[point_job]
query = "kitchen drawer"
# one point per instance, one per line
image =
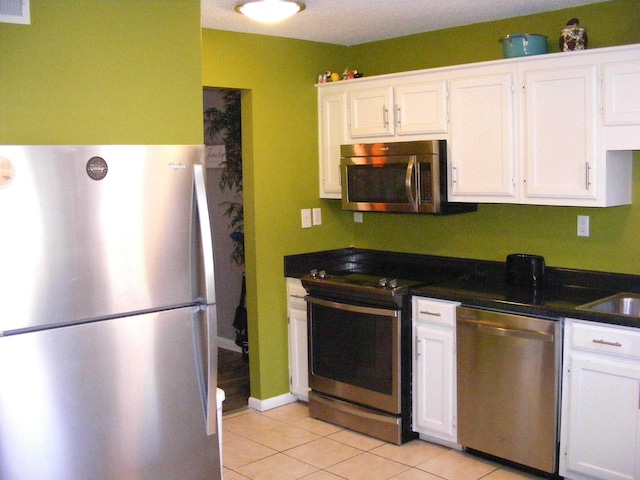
(296, 294)
(431, 310)
(608, 339)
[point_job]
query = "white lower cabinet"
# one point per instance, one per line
(298, 358)
(600, 431)
(434, 369)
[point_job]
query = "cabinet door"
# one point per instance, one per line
(333, 133)
(299, 368)
(371, 112)
(482, 138)
(421, 108)
(298, 357)
(559, 139)
(621, 104)
(602, 437)
(434, 364)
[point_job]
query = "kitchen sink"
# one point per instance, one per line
(619, 304)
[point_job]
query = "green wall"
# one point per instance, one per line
(281, 172)
(95, 72)
(608, 24)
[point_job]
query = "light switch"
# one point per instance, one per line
(306, 217)
(317, 216)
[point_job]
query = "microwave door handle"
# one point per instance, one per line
(410, 182)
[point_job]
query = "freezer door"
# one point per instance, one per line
(117, 399)
(95, 231)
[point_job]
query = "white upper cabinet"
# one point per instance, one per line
(392, 109)
(559, 140)
(397, 108)
(482, 136)
(540, 142)
(621, 99)
(621, 93)
(371, 112)
(556, 129)
(332, 117)
(421, 108)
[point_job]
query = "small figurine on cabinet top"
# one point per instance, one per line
(330, 76)
(574, 37)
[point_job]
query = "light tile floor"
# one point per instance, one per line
(285, 443)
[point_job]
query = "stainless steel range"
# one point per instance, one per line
(359, 353)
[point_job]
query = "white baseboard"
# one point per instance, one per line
(228, 345)
(255, 403)
(273, 402)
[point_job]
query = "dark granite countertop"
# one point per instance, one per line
(552, 302)
(478, 283)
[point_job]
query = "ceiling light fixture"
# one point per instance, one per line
(270, 11)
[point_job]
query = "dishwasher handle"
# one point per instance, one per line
(509, 332)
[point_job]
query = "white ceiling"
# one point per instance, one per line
(352, 22)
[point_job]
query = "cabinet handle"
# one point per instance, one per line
(604, 342)
(298, 296)
(385, 115)
(433, 314)
(417, 347)
(588, 175)
(454, 175)
(399, 119)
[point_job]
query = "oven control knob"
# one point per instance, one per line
(393, 283)
(322, 275)
(314, 273)
(382, 283)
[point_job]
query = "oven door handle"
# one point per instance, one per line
(353, 308)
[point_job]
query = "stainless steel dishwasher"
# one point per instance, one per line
(508, 386)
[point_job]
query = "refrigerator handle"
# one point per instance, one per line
(211, 404)
(209, 309)
(205, 234)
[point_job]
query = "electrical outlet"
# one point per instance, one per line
(583, 225)
(357, 217)
(305, 213)
(317, 216)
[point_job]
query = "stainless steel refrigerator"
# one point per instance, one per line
(108, 353)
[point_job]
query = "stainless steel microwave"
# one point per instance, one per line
(397, 177)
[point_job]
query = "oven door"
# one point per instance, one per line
(354, 353)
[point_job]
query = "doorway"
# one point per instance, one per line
(223, 161)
